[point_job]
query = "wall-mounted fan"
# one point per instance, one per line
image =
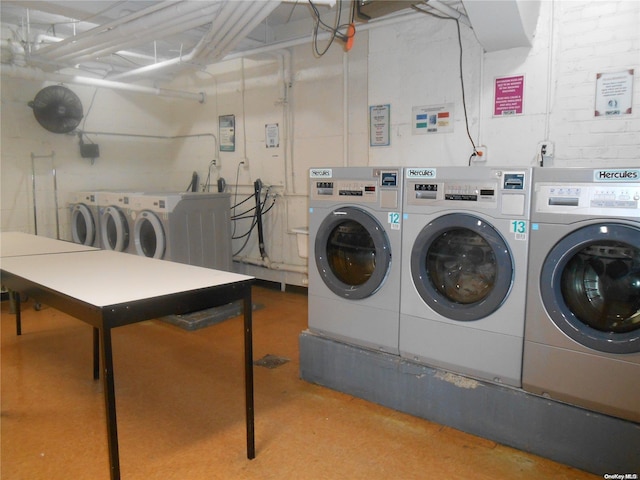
(57, 109)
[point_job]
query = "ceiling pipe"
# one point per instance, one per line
(47, 39)
(149, 34)
(218, 25)
(255, 11)
(262, 10)
(119, 35)
(448, 11)
(110, 25)
(322, 36)
(29, 73)
(236, 21)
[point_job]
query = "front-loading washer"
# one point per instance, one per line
(582, 338)
(115, 223)
(464, 269)
(85, 218)
(185, 227)
(355, 242)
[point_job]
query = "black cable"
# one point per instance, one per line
(247, 235)
(244, 215)
(243, 201)
(464, 100)
(235, 197)
(335, 31)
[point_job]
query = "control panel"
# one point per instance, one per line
(424, 192)
(589, 199)
(383, 189)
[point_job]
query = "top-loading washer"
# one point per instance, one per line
(355, 242)
(185, 227)
(115, 224)
(582, 338)
(85, 218)
(464, 269)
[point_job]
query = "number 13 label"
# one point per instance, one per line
(519, 229)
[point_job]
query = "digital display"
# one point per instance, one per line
(389, 179)
(426, 187)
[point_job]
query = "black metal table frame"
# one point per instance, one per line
(103, 319)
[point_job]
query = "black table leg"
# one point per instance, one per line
(96, 353)
(248, 374)
(16, 304)
(110, 402)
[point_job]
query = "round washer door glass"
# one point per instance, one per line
(590, 286)
(114, 229)
(83, 229)
(352, 252)
(148, 235)
(461, 267)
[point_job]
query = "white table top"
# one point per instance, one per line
(103, 277)
(15, 244)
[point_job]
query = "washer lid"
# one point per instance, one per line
(352, 253)
(461, 267)
(590, 287)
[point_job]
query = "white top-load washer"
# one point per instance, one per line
(186, 227)
(582, 339)
(465, 242)
(354, 257)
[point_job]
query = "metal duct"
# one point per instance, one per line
(29, 73)
(233, 23)
(125, 32)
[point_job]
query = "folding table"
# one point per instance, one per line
(109, 289)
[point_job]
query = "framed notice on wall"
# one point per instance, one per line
(379, 125)
(227, 133)
(614, 93)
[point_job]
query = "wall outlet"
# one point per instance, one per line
(546, 149)
(481, 154)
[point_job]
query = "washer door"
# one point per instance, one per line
(148, 235)
(352, 253)
(114, 229)
(590, 286)
(461, 267)
(83, 229)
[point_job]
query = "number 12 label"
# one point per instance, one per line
(394, 220)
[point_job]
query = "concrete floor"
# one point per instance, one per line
(181, 410)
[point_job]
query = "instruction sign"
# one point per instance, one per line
(613, 93)
(227, 133)
(379, 125)
(272, 135)
(433, 119)
(508, 96)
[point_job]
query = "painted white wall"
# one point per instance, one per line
(404, 65)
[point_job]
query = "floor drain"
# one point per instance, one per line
(271, 361)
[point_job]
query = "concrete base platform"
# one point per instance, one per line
(567, 434)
